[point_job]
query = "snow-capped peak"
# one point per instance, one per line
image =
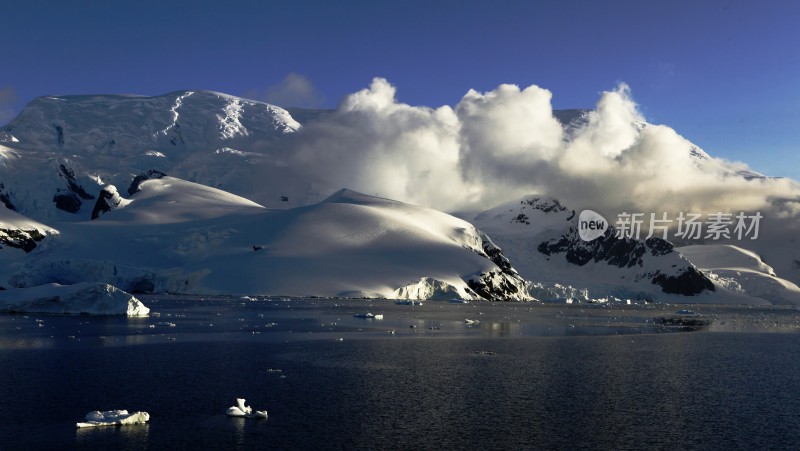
(120, 124)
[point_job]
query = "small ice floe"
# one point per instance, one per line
(113, 418)
(458, 301)
(368, 316)
(240, 410)
(685, 312)
(471, 321)
(407, 302)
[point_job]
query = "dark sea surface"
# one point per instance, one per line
(525, 377)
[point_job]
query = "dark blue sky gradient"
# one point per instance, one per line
(725, 74)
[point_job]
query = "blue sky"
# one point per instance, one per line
(725, 74)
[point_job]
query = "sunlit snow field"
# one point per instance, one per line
(516, 375)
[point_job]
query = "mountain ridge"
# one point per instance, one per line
(202, 164)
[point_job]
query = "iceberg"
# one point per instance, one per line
(429, 288)
(81, 298)
(240, 410)
(368, 316)
(113, 418)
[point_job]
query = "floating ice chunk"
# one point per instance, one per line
(407, 302)
(235, 412)
(113, 418)
(241, 410)
(242, 407)
(368, 316)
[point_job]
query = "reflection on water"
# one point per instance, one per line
(132, 436)
(238, 425)
(499, 329)
(516, 376)
(690, 390)
(179, 319)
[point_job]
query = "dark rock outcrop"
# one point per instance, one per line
(68, 202)
(21, 239)
(498, 286)
(149, 175)
(620, 252)
(630, 253)
(71, 198)
(503, 284)
(5, 198)
(108, 200)
(689, 281)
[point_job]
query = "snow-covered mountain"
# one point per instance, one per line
(72, 146)
(182, 237)
(742, 271)
(540, 235)
(197, 192)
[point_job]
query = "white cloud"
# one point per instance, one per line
(294, 90)
(505, 143)
(506, 133)
(378, 146)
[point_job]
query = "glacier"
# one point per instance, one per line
(85, 298)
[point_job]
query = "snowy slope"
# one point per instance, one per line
(165, 200)
(539, 236)
(138, 125)
(178, 236)
(20, 235)
(71, 146)
(742, 271)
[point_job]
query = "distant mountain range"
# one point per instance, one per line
(196, 192)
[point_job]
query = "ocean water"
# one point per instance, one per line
(523, 377)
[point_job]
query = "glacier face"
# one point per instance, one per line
(82, 298)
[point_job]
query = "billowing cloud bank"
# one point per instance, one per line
(498, 145)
